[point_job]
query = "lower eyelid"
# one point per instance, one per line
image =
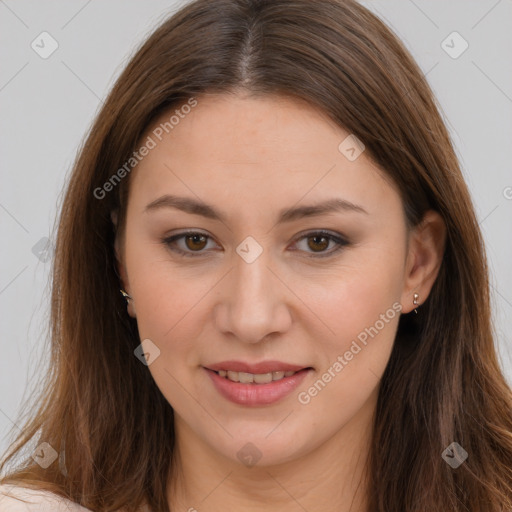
(170, 242)
(339, 243)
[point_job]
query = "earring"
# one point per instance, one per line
(415, 301)
(125, 295)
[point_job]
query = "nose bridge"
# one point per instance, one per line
(251, 282)
(254, 306)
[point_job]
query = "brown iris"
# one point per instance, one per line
(321, 242)
(195, 241)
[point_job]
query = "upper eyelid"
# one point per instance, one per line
(300, 235)
(338, 238)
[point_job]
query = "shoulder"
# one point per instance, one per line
(14, 498)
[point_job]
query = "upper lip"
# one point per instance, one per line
(256, 368)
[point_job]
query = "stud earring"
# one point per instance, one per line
(415, 301)
(126, 296)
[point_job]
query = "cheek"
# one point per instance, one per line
(361, 308)
(171, 310)
(362, 328)
(171, 313)
(168, 299)
(354, 297)
(364, 315)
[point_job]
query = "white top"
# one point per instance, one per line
(34, 501)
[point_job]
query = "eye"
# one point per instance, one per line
(192, 242)
(319, 241)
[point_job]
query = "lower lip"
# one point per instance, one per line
(257, 394)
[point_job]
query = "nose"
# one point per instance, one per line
(253, 302)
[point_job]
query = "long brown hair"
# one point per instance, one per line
(100, 406)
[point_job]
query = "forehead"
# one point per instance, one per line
(261, 149)
(246, 124)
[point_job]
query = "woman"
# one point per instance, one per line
(270, 188)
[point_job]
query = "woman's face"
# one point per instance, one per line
(297, 262)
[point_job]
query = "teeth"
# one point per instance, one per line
(245, 378)
(234, 376)
(263, 378)
(260, 378)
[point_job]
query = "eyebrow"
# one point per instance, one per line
(196, 207)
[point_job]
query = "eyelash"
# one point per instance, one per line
(341, 242)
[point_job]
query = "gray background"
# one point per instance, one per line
(48, 104)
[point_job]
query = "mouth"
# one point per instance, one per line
(255, 378)
(266, 384)
(255, 373)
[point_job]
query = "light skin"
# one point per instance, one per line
(250, 158)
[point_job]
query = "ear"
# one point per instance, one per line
(424, 257)
(120, 265)
(121, 270)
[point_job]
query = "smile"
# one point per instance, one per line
(258, 378)
(256, 389)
